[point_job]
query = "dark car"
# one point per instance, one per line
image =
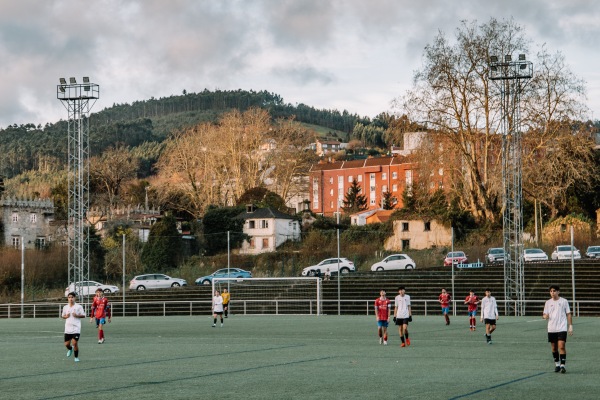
(593, 252)
(224, 273)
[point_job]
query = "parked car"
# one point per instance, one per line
(224, 273)
(155, 281)
(346, 266)
(394, 261)
(593, 252)
(495, 254)
(534, 255)
(563, 252)
(455, 257)
(88, 288)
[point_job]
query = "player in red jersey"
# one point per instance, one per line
(100, 312)
(444, 300)
(382, 313)
(472, 302)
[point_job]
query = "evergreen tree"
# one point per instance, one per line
(217, 222)
(354, 201)
(162, 249)
(389, 201)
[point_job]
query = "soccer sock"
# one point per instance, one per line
(406, 334)
(563, 359)
(215, 321)
(385, 337)
(447, 318)
(555, 356)
(221, 319)
(69, 347)
(76, 353)
(474, 322)
(402, 338)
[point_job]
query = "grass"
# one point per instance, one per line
(294, 357)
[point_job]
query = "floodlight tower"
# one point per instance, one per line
(511, 77)
(78, 99)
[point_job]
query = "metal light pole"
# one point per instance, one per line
(510, 75)
(452, 259)
(78, 99)
(123, 274)
(22, 277)
(573, 269)
(338, 260)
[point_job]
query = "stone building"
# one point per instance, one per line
(30, 222)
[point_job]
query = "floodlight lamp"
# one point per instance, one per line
(72, 81)
(86, 79)
(494, 59)
(63, 81)
(521, 57)
(523, 66)
(507, 58)
(62, 89)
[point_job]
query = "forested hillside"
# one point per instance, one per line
(28, 147)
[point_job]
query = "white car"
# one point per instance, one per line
(534, 255)
(394, 261)
(346, 266)
(495, 254)
(563, 252)
(155, 281)
(88, 288)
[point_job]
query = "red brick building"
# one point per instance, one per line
(329, 182)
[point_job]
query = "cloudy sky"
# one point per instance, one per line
(354, 55)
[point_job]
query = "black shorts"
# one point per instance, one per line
(401, 321)
(225, 306)
(555, 337)
(72, 336)
(218, 312)
(489, 321)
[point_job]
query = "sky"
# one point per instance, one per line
(352, 55)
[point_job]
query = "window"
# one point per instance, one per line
(427, 226)
(33, 218)
(359, 178)
(384, 176)
(405, 227)
(265, 243)
(15, 218)
(350, 179)
(264, 224)
(331, 192)
(40, 243)
(16, 242)
(252, 244)
(405, 244)
(384, 189)
(394, 188)
(331, 179)
(251, 224)
(394, 175)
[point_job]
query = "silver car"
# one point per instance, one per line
(564, 252)
(394, 261)
(155, 281)
(534, 255)
(88, 288)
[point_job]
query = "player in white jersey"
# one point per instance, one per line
(489, 314)
(217, 306)
(72, 314)
(402, 315)
(560, 321)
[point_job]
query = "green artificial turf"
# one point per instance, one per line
(295, 357)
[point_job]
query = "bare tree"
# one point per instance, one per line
(110, 171)
(453, 95)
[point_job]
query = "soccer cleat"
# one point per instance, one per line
(69, 352)
(474, 329)
(102, 340)
(380, 340)
(221, 325)
(214, 325)
(402, 345)
(557, 368)
(76, 359)
(407, 341)
(562, 369)
(385, 342)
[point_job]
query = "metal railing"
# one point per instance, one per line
(273, 307)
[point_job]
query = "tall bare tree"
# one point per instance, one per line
(110, 171)
(454, 97)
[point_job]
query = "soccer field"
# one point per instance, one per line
(295, 357)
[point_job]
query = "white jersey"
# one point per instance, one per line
(217, 304)
(402, 304)
(557, 311)
(73, 324)
(489, 308)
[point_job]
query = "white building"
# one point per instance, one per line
(267, 229)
